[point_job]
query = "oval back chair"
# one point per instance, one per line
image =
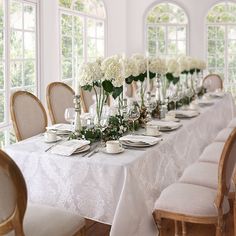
(193, 203)
(30, 220)
(212, 82)
(59, 97)
(13, 196)
(28, 115)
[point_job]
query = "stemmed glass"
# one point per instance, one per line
(134, 114)
(70, 116)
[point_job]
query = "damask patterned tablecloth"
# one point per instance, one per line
(118, 189)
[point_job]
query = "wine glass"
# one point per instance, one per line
(134, 114)
(70, 115)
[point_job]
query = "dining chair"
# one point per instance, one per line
(198, 204)
(232, 123)
(59, 97)
(212, 82)
(28, 115)
(223, 135)
(16, 218)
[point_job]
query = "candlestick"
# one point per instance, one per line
(148, 75)
(78, 126)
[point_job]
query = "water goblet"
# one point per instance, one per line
(70, 115)
(134, 114)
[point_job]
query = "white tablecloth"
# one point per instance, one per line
(119, 189)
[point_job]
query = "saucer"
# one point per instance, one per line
(54, 141)
(104, 150)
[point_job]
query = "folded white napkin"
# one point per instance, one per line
(61, 127)
(204, 102)
(165, 124)
(67, 148)
(140, 139)
(220, 94)
(186, 113)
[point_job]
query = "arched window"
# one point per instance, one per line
(82, 24)
(166, 30)
(221, 40)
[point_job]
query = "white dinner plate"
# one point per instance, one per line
(137, 144)
(153, 135)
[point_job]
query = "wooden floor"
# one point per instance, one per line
(97, 229)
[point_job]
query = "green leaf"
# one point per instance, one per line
(129, 80)
(117, 92)
(108, 86)
(87, 88)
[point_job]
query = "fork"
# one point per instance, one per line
(93, 152)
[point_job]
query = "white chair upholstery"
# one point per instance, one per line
(232, 123)
(204, 174)
(188, 199)
(49, 221)
(212, 153)
(28, 115)
(59, 97)
(223, 135)
(201, 173)
(7, 196)
(212, 82)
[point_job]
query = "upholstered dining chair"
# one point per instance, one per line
(194, 203)
(16, 218)
(59, 97)
(28, 115)
(212, 82)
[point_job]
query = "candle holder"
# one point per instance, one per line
(77, 102)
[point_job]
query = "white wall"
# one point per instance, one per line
(196, 10)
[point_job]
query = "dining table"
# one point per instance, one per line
(119, 189)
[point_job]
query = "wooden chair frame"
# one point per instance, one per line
(222, 191)
(221, 81)
(15, 221)
(13, 115)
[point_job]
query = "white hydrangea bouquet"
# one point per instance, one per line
(104, 77)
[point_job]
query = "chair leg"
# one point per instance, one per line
(160, 227)
(176, 228)
(234, 215)
(184, 229)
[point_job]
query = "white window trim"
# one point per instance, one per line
(85, 16)
(6, 125)
(145, 24)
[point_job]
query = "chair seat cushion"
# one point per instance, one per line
(232, 123)
(204, 174)
(43, 220)
(201, 173)
(212, 153)
(189, 199)
(223, 135)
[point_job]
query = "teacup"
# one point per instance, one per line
(152, 130)
(113, 146)
(170, 116)
(50, 136)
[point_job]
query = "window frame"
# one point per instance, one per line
(166, 25)
(226, 26)
(85, 17)
(7, 124)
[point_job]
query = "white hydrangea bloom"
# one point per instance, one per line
(184, 63)
(89, 72)
(113, 70)
(158, 65)
(173, 67)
